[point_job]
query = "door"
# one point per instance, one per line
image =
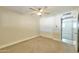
(67, 31)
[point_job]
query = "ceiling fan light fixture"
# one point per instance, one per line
(39, 13)
(41, 10)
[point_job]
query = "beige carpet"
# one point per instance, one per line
(39, 45)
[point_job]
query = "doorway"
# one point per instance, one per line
(69, 29)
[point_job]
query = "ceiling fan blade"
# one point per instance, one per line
(33, 9)
(34, 12)
(44, 9)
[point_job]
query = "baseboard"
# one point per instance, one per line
(18, 41)
(46, 36)
(50, 37)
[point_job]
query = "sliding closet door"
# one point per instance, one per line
(67, 30)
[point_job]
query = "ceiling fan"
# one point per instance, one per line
(39, 11)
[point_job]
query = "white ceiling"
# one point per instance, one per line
(51, 9)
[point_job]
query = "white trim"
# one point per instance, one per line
(46, 36)
(28, 38)
(51, 37)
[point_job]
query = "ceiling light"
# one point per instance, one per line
(41, 10)
(39, 13)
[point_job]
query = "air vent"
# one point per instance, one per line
(68, 13)
(67, 17)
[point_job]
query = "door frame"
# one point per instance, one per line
(62, 25)
(78, 35)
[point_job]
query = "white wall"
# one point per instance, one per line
(15, 27)
(50, 26)
(47, 26)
